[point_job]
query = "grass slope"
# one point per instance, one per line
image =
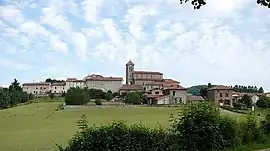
(27, 128)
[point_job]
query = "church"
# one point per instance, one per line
(159, 89)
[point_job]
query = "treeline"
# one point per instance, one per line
(81, 96)
(247, 89)
(198, 127)
(49, 80)
(13, 95)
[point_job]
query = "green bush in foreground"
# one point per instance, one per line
(198, 127)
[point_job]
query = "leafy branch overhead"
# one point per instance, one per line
(197, 4)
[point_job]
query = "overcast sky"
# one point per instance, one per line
(225, 42)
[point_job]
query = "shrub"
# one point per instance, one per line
(134, 98)
(266, 124)
(77, 96)
(263, 102)
(119, 136)
(4, 99)
(98, 102)
(249, 130)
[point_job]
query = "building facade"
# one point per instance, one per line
(58, 88)
(36, 88)
(104, 83)
(73, 83)
(221, 95)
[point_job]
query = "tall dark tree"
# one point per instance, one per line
(4, 99)
(197, 4)
(209, 85)
(260, 90)
(203, 92)
(15, 86)
(246, 100)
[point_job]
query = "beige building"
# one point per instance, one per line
(221, 95)
(36, 88)
(104, 83)
(73, 83)
(58, 88)
(130, 88)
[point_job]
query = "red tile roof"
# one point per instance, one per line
(131, 87)
(220, 87)
(58, 84)
(148, 79)
(73, 80)
(171, 81)
(147, 72)
(162, 97)
(94, 77)
(36, 83)
(195, 98)
(176, 88)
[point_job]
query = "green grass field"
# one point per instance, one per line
(27, 128)
(31, 128)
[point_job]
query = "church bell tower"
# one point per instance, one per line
(129, 71)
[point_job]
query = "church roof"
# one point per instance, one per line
(130, 63)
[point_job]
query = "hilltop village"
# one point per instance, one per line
(158, 89)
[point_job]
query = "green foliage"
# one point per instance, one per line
(4, 99)
(197, 125)
(134, 98)
(266, 124)
(250, 130)
(195, 90)
(246, 100)
(53, 80)
(120, 136)
(247, 89)
(51, 95)
(263, 102)
(238, 105)
(197, 4)
(98, 102)
(82, 123)
(77, 96)
(109, 95)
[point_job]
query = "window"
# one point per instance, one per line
(36, 87)
(54, 91)
(227, 94)
(63, 88)
(26, 87)
(34, 91)
(156, 92)
(40, 88)
(220, 94)
(173, 93)
(55, 87)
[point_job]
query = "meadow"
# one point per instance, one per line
(38, 126)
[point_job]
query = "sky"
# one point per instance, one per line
(225, 42)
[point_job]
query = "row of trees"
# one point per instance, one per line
(198, 127)
(49, 80)
(13, 95)
(197, 4)
(247, 89)
(79, 96)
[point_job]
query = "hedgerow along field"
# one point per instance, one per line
(38, 126)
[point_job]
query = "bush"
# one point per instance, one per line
(266, 124)
(263, 102)
(200, 127)
(135, 98)
(77, 96)
(119, 136)
(250, 130)
(98, 102)
(4, 99)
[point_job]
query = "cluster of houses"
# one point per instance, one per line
(158, 89)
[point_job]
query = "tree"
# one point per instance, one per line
(203, 92)
(197, 4)
(260, 90)
(209, 85)
(4, 99)
(134, 98)
(77, 96)
(15, 86)
(109, 95)
(263, 102)
(246, 100)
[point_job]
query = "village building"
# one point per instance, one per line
(130, 88)
(221, 95)
(74, 82)
(104, 83)
(37, 88)
(58, 88)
